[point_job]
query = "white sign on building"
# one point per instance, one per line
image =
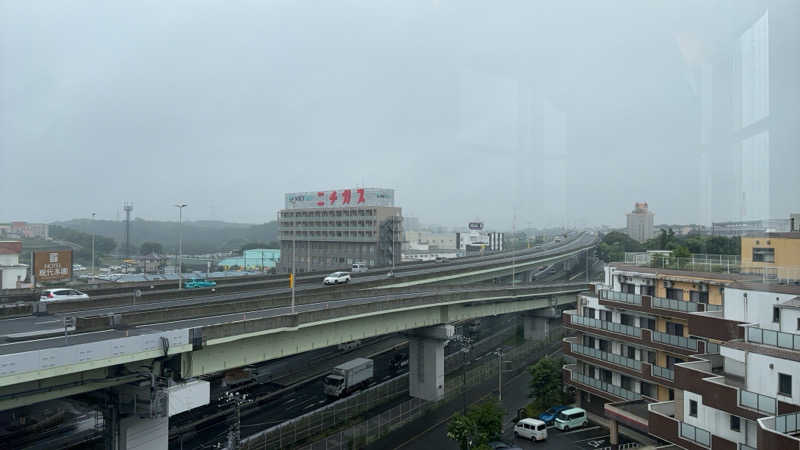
(340, 198)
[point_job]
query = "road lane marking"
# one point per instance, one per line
(593, 438)
(49, 321)
(581, 430)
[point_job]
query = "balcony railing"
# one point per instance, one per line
(762, 403)
(606, 387)
(675, 341)
(621, 297)
(695, 434)
(606, 356)
(773, 338)
(662, 372)
(606, 325)
(787, 423)
(675, 305)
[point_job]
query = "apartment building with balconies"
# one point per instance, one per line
(698, 360)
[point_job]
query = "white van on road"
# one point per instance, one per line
(530, 428)
(358, 268)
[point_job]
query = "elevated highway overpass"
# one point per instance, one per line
(116, 345)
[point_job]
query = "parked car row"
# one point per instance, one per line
(564, 418)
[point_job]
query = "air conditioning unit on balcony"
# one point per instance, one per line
(667, 284)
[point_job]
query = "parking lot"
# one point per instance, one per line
(593, 436)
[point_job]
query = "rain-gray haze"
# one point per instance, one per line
(567, 111)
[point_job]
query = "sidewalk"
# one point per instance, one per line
(430, 431)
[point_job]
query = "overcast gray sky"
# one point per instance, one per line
(570, 110)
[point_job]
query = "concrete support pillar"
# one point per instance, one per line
(137, 418)
(137, 433)
(536, 328)
(426, 361)
(613, 429)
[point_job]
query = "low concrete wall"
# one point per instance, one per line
(256, 325)
(16, 310)
(243, 306)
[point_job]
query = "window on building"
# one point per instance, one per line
(798, 323)
(693, 408)
(675, 329)
(672, 394)
(785, 384)
(764, 255)
(776, 314)
(626, 382)
(698, 296)
(626, 319)
(588, 312)
(647, 290)
(675, 294)
(735, 423)
(631, 352)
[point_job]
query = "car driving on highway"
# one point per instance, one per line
(62, 294)
(337, 278)
(198, 283)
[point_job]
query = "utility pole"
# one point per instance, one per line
(237, 400)
(500, 374)
(93, 214)
(465, 347)
(180, 207)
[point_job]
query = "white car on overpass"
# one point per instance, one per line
(337, 278)
(62, 294)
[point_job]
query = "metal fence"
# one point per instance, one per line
(766, 273)
(319, 426)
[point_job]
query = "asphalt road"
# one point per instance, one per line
(49, 323)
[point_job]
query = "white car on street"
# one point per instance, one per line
(62, 294)
(337, 278)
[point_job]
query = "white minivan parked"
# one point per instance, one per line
(571, 418)
(533, 429)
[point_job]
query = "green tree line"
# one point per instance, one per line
(614, 245)
(198, 236)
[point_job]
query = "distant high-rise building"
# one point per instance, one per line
(640, 223)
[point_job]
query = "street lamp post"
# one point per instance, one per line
(180, 207)
(93, 214)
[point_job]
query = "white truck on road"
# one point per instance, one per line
(349, 377)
